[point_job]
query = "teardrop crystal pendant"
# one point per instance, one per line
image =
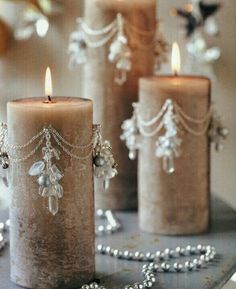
(168, 164)
(53, 205)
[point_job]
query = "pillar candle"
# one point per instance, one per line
(51, 251)
(113, 102)
(178, 203)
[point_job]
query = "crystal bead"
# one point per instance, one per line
(56, 173)
(36, 169)
(106, 184)
(53, 205)
(168, 164)
(58, 190)
(43, 192)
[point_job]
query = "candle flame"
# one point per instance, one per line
(48, 84)
(175, 59)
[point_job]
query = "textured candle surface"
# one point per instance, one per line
(113, 103)
(177, 203)
(52, 251)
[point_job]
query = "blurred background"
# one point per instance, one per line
(22, 70)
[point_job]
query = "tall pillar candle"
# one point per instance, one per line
(51, 251)
(113, 102)
(178, 203)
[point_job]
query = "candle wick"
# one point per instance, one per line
(176, 73)
(49, 98)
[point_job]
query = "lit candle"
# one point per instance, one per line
(177, 203)
(48, 85)
(51, 251)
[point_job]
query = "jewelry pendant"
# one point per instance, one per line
(105, 166)
(120, 53)
(48, 175)
(168, 145)
(218, 133)
(131, 134)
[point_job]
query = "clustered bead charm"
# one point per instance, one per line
(131, 134)
(217, 132)
(120, 53)
(174, 121)
(115, 36)
(168, 145)
(105, 166)
(48, 175)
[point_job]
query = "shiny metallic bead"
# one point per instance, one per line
(85, 286)
(100, 248)
(206, 259)
(108, 250)
(99, 161)
(147, 284)
(2, 227)
(180, 251)
(44, 181)
(109, 228)
(197, 263)
(145, 266)
(138, 286)
(127, 255)
(100, 213)
(115, 253)
(149, 256)
(151, 278)
(136, 255)
(101, 229)
(94, 285)
(8, 223)
(178, 267)
(141, 257)
(160, 255)
(3, 155)
(189, 265)
(165, 267)
(155, 267)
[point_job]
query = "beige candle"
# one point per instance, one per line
(113, 102)
(51, 251)
(175, 203)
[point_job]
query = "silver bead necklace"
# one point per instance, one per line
(156, 262)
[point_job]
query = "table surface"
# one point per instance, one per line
(115, 273)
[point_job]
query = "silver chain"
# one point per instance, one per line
(61, 142)
(181, 116)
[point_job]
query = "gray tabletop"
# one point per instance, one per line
(115, 273)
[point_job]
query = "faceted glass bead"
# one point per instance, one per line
(53, 205)
(168, 164)
(37, 168)
(58, 190)
(57, 174)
